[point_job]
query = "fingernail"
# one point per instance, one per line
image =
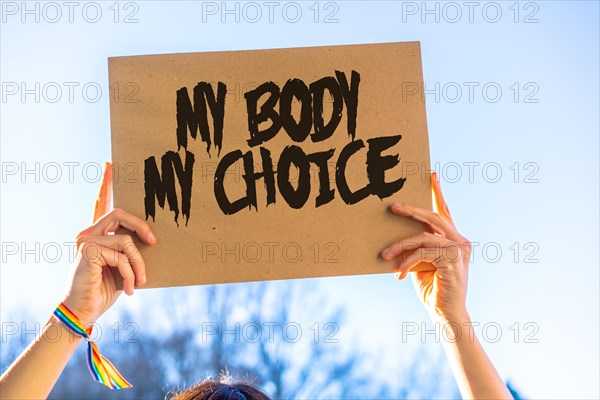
(385, 252)
(151, 237)
(398, 205)
(143, 279)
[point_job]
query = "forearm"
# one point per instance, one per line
(474, 372)
(34, 373)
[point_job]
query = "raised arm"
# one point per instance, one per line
(91, 292)
(443, 292)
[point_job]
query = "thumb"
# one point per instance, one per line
(104, 200)
(440, 203)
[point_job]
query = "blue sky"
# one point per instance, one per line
(541, 133)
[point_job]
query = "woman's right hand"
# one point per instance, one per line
(443, 291)
(100, 254)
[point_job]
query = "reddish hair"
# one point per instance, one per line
(222, 389)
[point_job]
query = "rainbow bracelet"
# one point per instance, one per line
(101, 369)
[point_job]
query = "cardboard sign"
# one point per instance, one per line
(269, 164)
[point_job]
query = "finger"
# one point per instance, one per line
(103, 202)
(425, 278)
(424, 239)
(432, 256)
(116, 218)
(104, 256)
(421, 267)
(123, 244)
(436, 222)
(436, 257)
(400, 275)
(440, 203)
(414, 260)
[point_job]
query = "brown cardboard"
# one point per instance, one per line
(274, 241)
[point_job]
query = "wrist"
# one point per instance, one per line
(457, 327)
(458, 316)
(85, 318)
(55, 331)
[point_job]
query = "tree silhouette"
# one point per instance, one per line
(225, 328)
(188, 334)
